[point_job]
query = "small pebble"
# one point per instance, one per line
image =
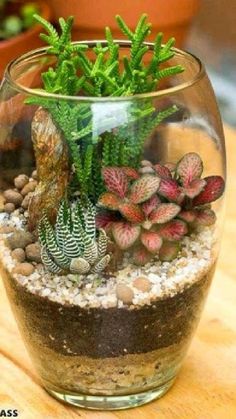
(13, 197)
(142, 284)
(33, 252)
(19, 255)
(26, 200)
(9, 207)
(30, 187)
(20, 181)
(35, 175)
(146, 163)
(25, 269)
(20, 239)
(145, 170)
(124, 293)
(6, 229)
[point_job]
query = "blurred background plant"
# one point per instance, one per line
(11, 23)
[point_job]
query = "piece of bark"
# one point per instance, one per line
(52, 162)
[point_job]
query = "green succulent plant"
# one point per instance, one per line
(75, 73)
(73, 244)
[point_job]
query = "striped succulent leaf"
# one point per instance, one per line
(72, 245)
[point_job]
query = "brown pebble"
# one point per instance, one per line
(18, 254)
(9, 207)
(146, 163)
(26, 200)
(30, 187)
(6, 229)
(142, 284)
(35, 175)
(124, 293)
(13, 197)
(24, 269)
(20, 239)
(145, 170)
(33, 252)
(20, 181)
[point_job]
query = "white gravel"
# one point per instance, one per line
(193, 262)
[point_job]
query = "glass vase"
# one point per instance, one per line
(109, 329)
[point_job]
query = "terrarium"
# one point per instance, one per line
(112, 175)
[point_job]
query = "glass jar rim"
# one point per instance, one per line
(200, 73)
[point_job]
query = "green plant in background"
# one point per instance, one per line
(13, 24)
(73, 245)
(118, 142)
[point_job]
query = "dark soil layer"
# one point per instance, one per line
(100, 333)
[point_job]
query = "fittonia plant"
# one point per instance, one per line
(150, 212)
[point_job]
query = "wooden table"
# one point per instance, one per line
(206, 386)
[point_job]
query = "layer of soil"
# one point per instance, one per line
(100, 333)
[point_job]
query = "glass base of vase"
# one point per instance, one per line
(111, 402)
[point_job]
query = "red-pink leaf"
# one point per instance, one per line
(213, 190)
(130, 172)
(174, 230)
(109, 200)
(162, 171)
(169, 251)
(116, 180)
(194, 188)
(125, 234)
(105, 220)
(143, 188)
(132, 212)
(190, 167)
(141, 256)
(188, 215)
(205, 217)
(170, 166)
(170, 189)
(151, 240)
(150, 205)
(164, 213)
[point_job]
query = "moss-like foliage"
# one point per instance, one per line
(112, 139)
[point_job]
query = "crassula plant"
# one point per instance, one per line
(150, 210)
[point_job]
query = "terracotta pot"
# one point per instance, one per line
(173, 17)
(18, 45)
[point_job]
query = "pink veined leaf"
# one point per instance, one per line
(162, 171)
(194, 188)
(170, 166)
(164, 213)
(205, 217)
(151, 240)
(170, 190)
(109, 200)
(130, 172)
(169, 251)
(125, 234)
(187, 215)
(105, 219)
(190, 167)
(141, 256)
(150, 205)
(116, 180)
(213, 190)
(132, 212)
(174, 230)
(143, 188)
